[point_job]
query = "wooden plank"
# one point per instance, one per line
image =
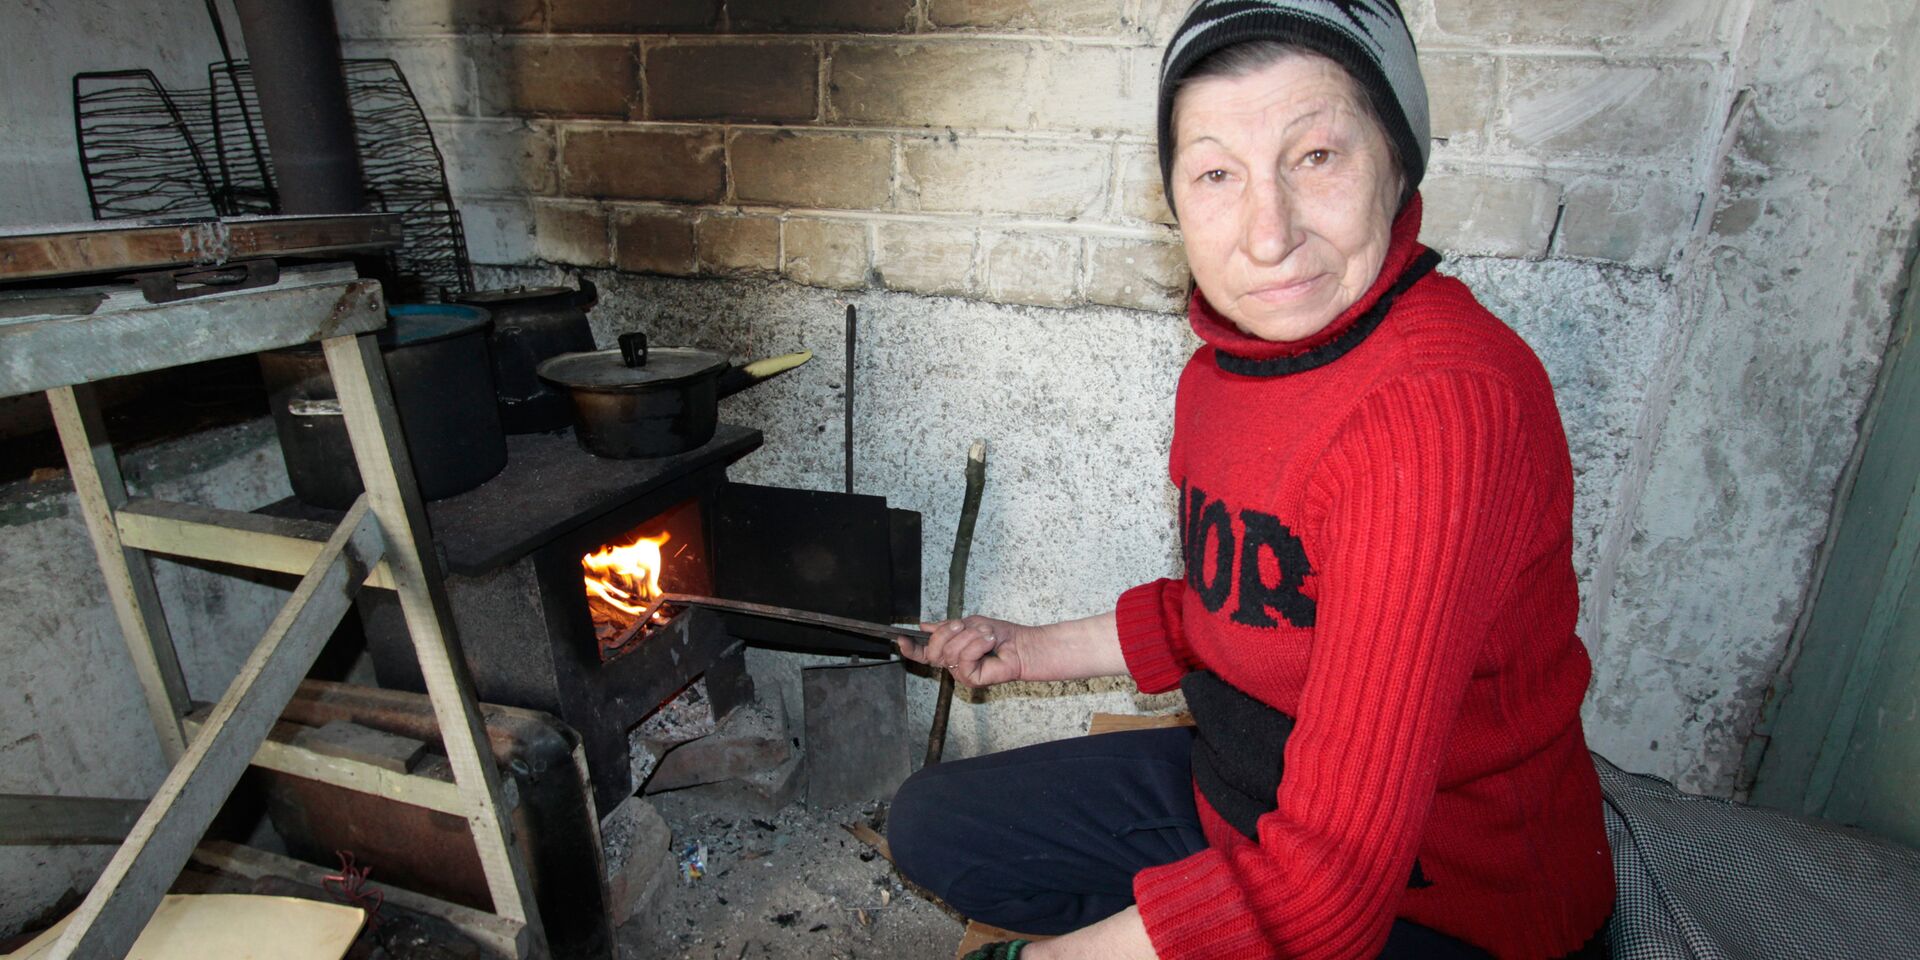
(98, 486)
(56, 250)
(503, 937)
(1116, 722)
(346, 740)
(62, 821)
(244, 539)
(871, 837)
(114, 911)
(40, 353)
(282, 752)
(373, 427)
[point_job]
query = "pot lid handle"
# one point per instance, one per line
(633, 349)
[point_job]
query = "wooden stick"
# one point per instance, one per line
(373, 429)
(228, 536)
(957, 588)
(98, 485)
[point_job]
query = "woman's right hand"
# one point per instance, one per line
(978, 651)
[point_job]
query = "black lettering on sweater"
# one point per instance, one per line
(1207, 531)
(1264, 532)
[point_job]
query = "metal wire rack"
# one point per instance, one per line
(146, 151)
(138, 150)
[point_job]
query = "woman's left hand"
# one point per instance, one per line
(978, 651)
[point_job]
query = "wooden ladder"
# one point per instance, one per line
(383, 543)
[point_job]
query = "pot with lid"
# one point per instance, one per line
(530, 325)
(639, 400)
(436, 359)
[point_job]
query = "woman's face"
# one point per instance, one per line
(1286, 193)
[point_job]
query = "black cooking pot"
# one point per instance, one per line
(530, 325)
(640, 401)
(436, 356)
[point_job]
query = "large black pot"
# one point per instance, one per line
(531, 325)
(442, 381)
(640, 401)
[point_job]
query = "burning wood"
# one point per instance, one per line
(623, 590)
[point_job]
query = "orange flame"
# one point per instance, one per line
(626, 575)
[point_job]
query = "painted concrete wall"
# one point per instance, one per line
(72, 718)
(45, 43)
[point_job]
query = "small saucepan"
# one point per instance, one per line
(641, 401)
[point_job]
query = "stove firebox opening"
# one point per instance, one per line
(626, 578)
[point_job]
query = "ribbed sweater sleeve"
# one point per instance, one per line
(1421, 491)
(1150, 636)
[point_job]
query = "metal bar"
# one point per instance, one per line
(280, 544)
(373, 427)
(864, 627)
(129, 580)
(117, 908)
(34, 820)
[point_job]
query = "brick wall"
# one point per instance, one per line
(1003, 149)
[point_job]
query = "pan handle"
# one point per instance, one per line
(735, 379)
(586, 296)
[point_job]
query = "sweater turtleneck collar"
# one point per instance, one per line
(1237, 351)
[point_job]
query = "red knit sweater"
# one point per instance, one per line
(1414, 613)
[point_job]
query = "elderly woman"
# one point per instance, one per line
(1375, 631)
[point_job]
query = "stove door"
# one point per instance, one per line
(845, 554)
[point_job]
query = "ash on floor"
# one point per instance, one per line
(789, 884)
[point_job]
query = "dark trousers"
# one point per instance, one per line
(1046, 839)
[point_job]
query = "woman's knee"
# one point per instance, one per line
(916, 828)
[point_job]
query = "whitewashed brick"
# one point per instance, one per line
(1032, 268)
(496, 157)
(730, 245)
(962, 84)
(1595, 109)
(653, 241)
(1159, 18)
(1462, 94)
(930, 258)
(825, 253)
(1013, 177)
(1488, 216)
(1079, 17)
(498, 231)
(364, 19)
(1138, 274)
(572, 233)
(1094, 89)
(794, 169)
(1634, 221)
(1142, 194)
(1622, 24)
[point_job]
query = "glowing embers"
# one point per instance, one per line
(623, 591)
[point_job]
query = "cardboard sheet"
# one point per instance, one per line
(232, 927)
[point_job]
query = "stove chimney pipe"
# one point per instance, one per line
(294, 49)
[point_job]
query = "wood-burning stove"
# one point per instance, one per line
(512, 549)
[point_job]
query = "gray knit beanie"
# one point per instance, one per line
(1367, 37)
